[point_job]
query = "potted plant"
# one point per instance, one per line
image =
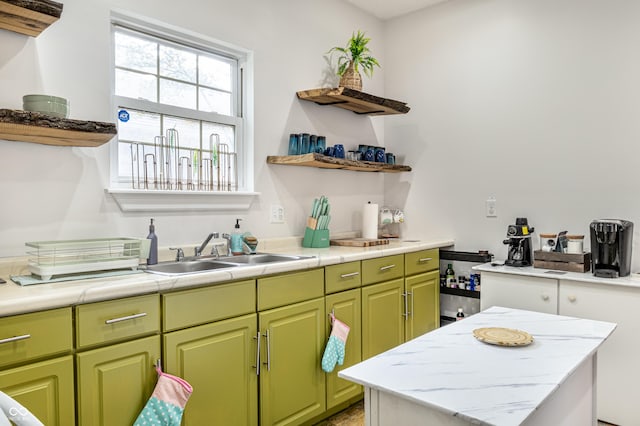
(354, 56)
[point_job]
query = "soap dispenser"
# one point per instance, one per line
(236, 239)
(153, 247)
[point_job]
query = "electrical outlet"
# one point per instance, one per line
(277, 213)
(490, 207)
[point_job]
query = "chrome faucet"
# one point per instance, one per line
(198, 250)
(228, 238)
(179, 254)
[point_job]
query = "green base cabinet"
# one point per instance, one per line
(115, 382)
(44, 388)
(292, 383)
(347, 306)
(218, 360)
(423, 303)
(382, 317)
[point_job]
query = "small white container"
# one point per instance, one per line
(575, 244)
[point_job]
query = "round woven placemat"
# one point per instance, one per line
(503, 336)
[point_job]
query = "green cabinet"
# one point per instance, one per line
(347, 306)
(382, 317)
(401, 308)
(115, 377)
(45, 388)
(292, 383)
(423, 304)
(115, 382)
(36, 365)
(219, 361)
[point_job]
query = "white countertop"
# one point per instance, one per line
(16, 299)
(450, 371)
(632, 280)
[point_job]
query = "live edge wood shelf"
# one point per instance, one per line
(27, 126)
(354, 100)
(325, 162)
(28, 17)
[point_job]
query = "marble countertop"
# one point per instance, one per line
(16, 299)
(450, 371)
(632, 280)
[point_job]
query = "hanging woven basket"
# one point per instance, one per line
(351, 78)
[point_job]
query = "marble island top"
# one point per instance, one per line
(449, 370)
(16, 299)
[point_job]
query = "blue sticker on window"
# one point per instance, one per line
(123, 115)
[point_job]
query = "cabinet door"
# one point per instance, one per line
(618, 378)
(347, 307)
(519, 292)
(218, 360)
(44, 388)
(382, 320)
(115, 382)
(292, 383)
(423, 304)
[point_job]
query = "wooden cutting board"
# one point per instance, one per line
(359, 242)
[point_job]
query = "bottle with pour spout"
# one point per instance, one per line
(236, 239)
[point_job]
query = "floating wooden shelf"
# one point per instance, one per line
(27, 126)
(325, 162)
(29, 17)
(354, 100)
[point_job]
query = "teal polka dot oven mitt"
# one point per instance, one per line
(335, 349)
(166, 405)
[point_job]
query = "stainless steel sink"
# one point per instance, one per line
(188, 267)
(195, 265)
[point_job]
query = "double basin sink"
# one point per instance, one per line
(204, 264)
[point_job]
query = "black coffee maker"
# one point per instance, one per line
(611, 247)
(519, 242)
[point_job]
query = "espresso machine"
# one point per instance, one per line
(519, 242)
(611, 247)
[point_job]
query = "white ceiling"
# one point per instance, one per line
(387, 9)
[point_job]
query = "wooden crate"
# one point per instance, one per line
(562, 261)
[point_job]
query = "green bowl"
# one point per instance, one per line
(45, 104)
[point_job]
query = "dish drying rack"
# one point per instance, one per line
(51, 258)
(166, 165)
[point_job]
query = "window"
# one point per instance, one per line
(179, 103)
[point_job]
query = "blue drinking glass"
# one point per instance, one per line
(338, 151)
(313, 143)
(321, 144)
(379, 156)
(293, 144)
(304, 143)
(391, 159)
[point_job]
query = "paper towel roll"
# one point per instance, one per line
(370, 221)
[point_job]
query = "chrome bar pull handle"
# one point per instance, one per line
(268, 363)
(257, 366)
(351, 274)
(385, 268)
(425, 259)
(15, 338)
(127, 318)
(410, 313)
(405, 314)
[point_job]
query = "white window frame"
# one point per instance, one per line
(157, 200)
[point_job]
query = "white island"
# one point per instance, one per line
(448, 377)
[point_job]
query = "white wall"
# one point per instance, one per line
(58, 193)
(535, 102)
